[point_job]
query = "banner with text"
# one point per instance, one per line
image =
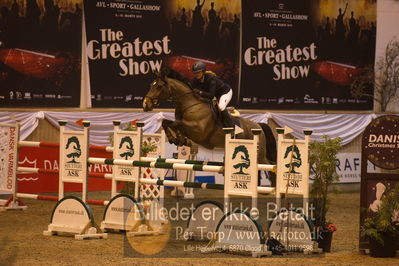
(305, 54)
(48, 159)
(127, 41)
(40, 53)
(349, 166)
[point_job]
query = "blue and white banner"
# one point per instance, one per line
(349, 166)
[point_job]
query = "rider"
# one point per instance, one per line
(207, 85)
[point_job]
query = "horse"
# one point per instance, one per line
(195, 122)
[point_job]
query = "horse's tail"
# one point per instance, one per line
(271, 146)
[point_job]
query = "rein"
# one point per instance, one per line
(174, 99)
(189, 107)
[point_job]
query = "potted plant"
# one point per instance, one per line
(145, 147)
(382, 226)
(322, 161)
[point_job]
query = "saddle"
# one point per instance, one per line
(216, 114)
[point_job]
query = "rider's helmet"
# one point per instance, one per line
(198, 67)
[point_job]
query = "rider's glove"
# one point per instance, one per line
(197, 91)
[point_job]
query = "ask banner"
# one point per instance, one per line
(304, 54)
(127, 41)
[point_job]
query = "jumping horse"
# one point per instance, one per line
(194, 120)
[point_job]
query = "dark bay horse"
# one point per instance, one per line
(195, 121)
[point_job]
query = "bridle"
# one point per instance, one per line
(155, 100)
(170, 97)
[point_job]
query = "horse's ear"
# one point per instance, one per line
(165, 71)
(157, 73)
(161, 74)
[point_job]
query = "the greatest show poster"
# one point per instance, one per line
(127, 41)
(304, 54)
(40, 53)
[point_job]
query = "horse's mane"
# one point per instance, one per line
(171, 73)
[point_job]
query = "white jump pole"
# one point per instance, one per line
(40, 144)
(55, 198)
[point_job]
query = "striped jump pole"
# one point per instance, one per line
(23, 170)
(176, 166)
(167, 160)
(32, 170)
(263, 167)
(38, 144)
(172, 183)
(159, 182)
(55, 198)
(167, 164)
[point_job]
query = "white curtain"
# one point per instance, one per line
(345, 126)
(28, 121)
(101, 122)
(258, 118)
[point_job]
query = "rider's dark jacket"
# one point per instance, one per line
(211, 86)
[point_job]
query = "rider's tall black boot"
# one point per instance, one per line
(226, 119)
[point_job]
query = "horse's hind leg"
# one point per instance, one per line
(272, 178)
(269, 175)
(170, 134)
(174, 134)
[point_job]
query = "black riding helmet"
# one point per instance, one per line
(198, 67)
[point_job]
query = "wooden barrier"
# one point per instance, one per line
(128, 170)
(13, 203)
(9, 136)
(240, 180)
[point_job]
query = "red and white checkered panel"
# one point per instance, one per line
(151, 192)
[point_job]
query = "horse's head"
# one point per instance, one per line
(159, 90)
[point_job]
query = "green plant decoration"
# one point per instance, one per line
(322, 161)
(386, 220)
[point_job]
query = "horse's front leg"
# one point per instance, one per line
(174, 133)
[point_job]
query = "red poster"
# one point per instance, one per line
(48, 158)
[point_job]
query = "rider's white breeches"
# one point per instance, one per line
(224, 100)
